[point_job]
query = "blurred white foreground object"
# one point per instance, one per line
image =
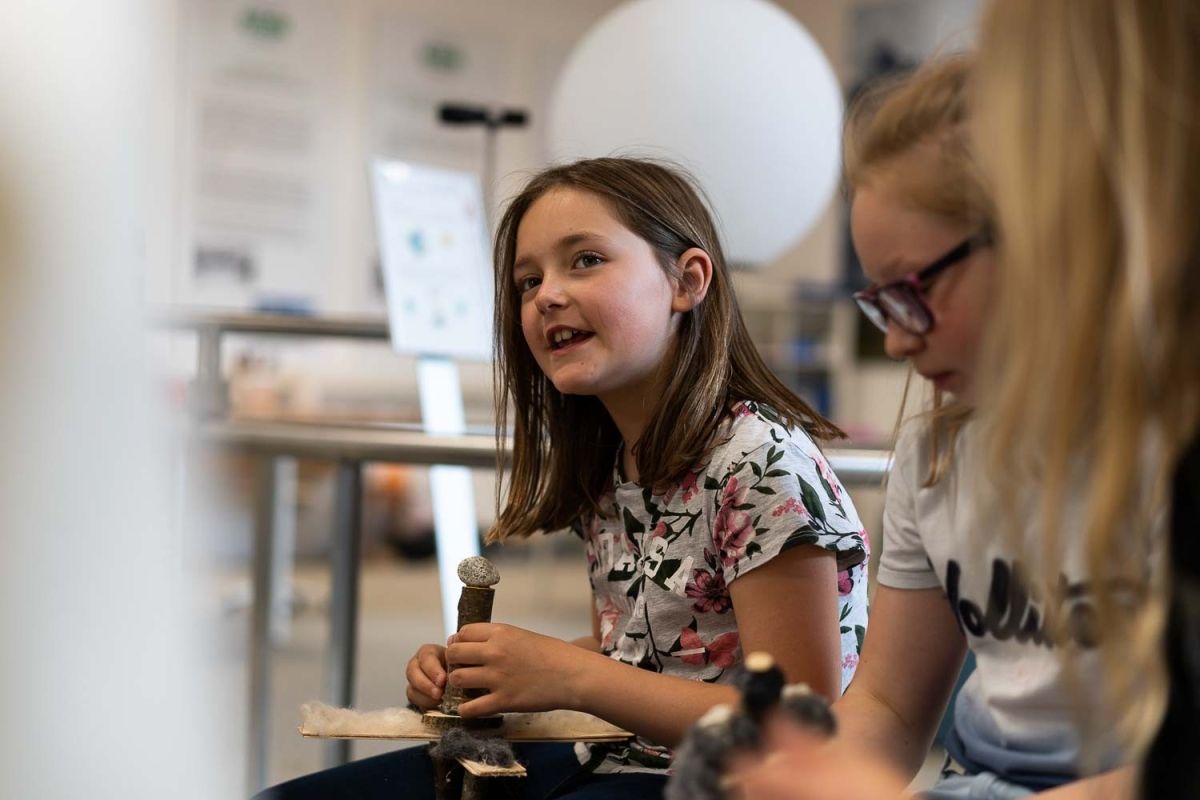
(100, 675)
(737, 91)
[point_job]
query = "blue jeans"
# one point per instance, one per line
(554, 772)
(980, 786)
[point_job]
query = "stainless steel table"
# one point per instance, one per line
(349, 446)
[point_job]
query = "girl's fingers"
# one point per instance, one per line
(465, 653)
(420, 700)
(794, 754)
(421, 683)
(470, 678)
(768, 784)
(426, 674)
(484, 706)
(478, 631)
(432, 650)
(783, 734)
(432, 665)
(831, 769)
(790, 749)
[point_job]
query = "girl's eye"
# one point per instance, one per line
(586, 260)
(926, 286)
(527, 283)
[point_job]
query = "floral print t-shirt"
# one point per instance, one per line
(660, 565)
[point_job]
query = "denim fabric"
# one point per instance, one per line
(554, 772)
(981, 786)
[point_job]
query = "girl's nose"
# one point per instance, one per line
(549, 296)
(900, 344)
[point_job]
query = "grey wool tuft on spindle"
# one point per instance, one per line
(457, 743)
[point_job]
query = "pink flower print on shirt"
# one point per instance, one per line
(831, 480)
(691, 647)
(591, 535)
(610, 616)
(734, 494)
(866, 540)
(845, 583)
(732, 528)
(792, 506)
(689, 485)
(709, 592)
(720, 652)
(850, 661)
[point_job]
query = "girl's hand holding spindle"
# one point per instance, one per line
(832, 769)
(522, 670)
(426, 673)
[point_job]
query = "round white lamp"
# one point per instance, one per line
(736, 91)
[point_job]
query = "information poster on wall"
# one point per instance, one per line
(436, 271)
(260, 159)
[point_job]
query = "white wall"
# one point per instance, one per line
(350, 79)
(867, 393)
(512, 51)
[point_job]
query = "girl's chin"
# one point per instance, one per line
(573, 386)
(954, 384)
(944, 381)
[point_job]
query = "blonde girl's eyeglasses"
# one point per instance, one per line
(903, 301)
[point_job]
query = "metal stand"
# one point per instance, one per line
(260, 628)
(492, 121)
(343, 603)
(454, 521)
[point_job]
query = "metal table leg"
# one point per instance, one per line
(343, 603)
(260, 628)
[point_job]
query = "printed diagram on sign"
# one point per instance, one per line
(436, 274)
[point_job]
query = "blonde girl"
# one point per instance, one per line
(951, 577)
(1088, 126)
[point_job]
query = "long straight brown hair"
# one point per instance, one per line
(564, 446)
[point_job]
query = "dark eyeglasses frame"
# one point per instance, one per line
(907, 292)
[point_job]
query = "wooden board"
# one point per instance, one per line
(441, 722)
(320, 720)
(560, 726)
(482, 770)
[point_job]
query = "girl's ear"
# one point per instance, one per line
(695, 276)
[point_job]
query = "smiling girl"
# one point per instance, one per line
(645, 421)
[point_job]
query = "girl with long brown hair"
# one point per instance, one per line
(644, 420)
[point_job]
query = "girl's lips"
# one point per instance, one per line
(575, 341)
